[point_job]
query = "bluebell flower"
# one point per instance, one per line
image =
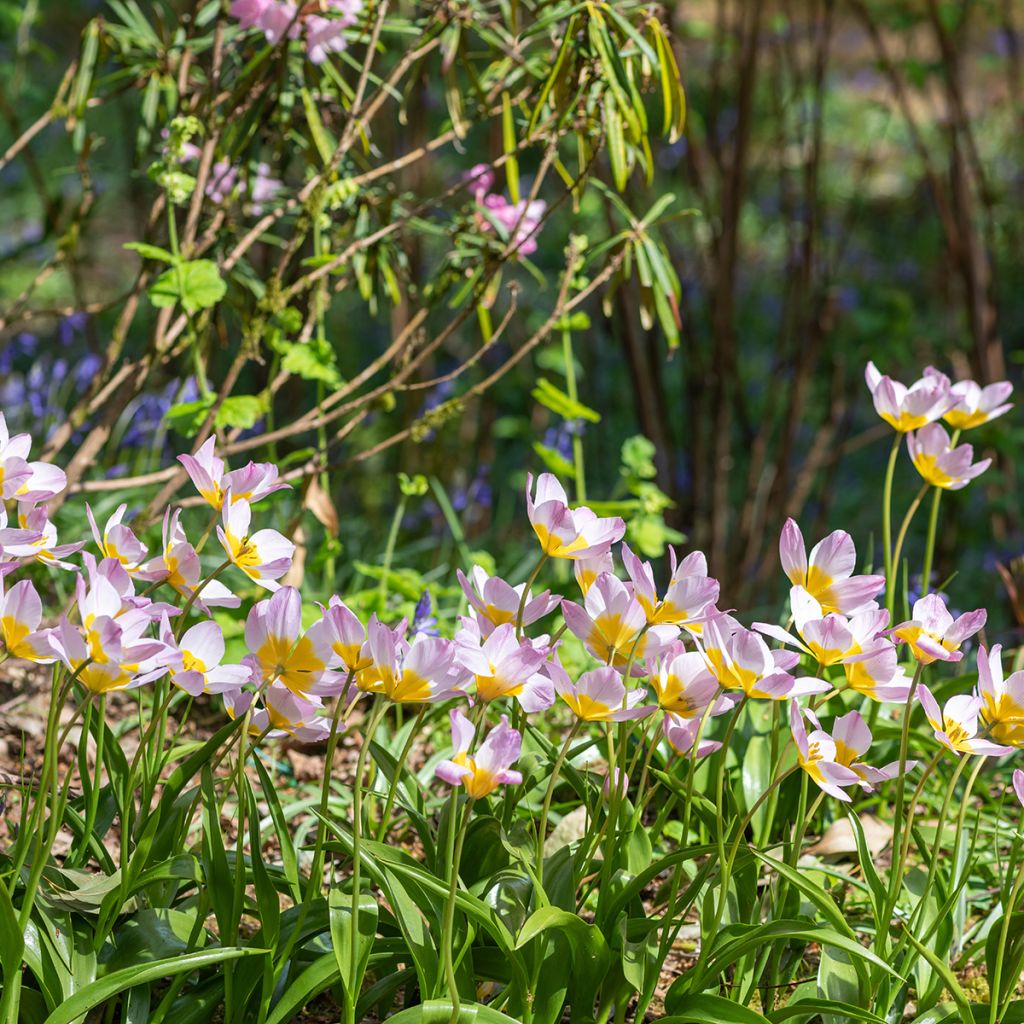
(424, 622)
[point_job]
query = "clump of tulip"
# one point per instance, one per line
(658, 688)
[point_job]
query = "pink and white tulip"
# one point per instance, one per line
(503, 666)
(1002, 699)
(818, 755)
(613, 626)
(977, 405)
(490, 766)
(495, 602)
(688, 597)
(827, 575)
(956, 724)
(565, 532)
(599, 695)
(933, 634)
(264, 556)
(906, 409)
(939, 463)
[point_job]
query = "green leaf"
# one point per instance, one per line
(559, 402)
(196, 284)
(187, 418)
(97, 992)
(240, 411)
(508, 135)
(314, 360)
(709, 1009)
(439, 1011)
(591, 956)
(553, 460)
(150, 252)
(804, 1009)
(340, 910)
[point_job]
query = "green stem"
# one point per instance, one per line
(396, 778)
(531, 579)
(890, 471)
(897, 820)
(904, 526)
(577, 441)
(448, 924)
(998, 1006)
(357, 828)
(92, 807)
(389, 553)
(183, 618)
(542, 827)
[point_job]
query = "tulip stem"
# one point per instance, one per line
(448, 923)
(183, 620)
(577, 441)
(542, 827)
(357, 827)
(996, 1006)
(526, 594)
(904, 527)
(890, 471)
(929, 547)
(399, 768)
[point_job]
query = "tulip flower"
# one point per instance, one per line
(21, 612)
(682, 734)
(933, 634)
(740, 660)
(565, 532)
(1002, 708)
(113, 654)
(939, 463)
(689, 594)
(906, 409)
(586, 570)
(956, 724)
(211, 478)
(281, 712)
(818, 755)
(876, 673)
(1018, 784)
(425, 671)
(505, 667)
(345, 634)
(495, 602)
(41, 543)
(117, 540)
(598, 695)
(491, 766)
(613, 627)
(28, 482)
(977, 405)
(621, 784)
(265, 556)
(180, 568)
(684, 686)
(282, 652)
(828, 574)
(852, 738)
(194, 662)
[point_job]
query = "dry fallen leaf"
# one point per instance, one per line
(838, 838)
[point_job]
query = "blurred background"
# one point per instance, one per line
(853, 182)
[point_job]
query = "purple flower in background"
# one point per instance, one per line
(85, 369)
(264, 188)
(70, 326)
(423, 620)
